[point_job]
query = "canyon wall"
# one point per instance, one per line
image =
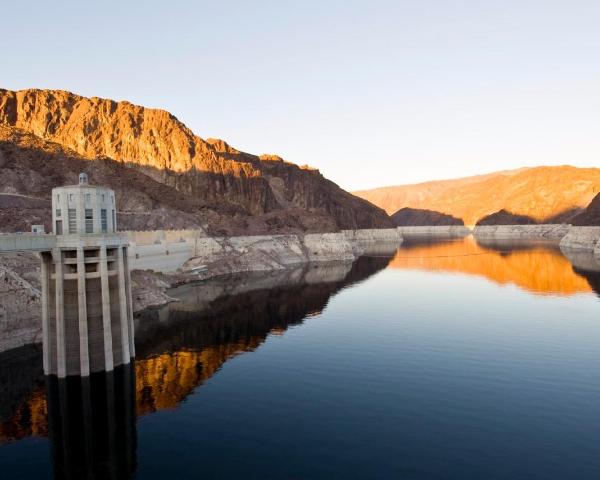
(164, 175)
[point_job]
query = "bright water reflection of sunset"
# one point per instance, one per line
(539, 269)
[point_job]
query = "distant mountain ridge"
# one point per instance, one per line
(545, 194)
(217, 185)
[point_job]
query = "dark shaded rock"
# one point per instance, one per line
(504, 217)
(416, 217)
(590, 216)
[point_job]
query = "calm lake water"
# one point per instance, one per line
(449, 360)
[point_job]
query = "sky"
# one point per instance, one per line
(372, 93)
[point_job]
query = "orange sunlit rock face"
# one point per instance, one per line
(538, 270)
(49, 136)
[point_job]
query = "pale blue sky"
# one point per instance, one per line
(372, 93)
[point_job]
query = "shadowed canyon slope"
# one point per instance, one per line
(591, 215)
(47, 134)
(414, 217)
(546, 194)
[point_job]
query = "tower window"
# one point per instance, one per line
(72, 220)
(89, 220)
(88, 197)
(58, 212)
(103, 220)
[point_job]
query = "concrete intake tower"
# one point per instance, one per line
(87, 315)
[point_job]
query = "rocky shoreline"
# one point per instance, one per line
(218, 256)
(20, 290)
(568, 237)
(582, 238)
(210, 257)
(552, 232)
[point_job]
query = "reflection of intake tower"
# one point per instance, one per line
(86, 293)
(92, 425)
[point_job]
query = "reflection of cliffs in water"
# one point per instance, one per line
(23, 410)
(185, 343)
(92, 425)
(593, 278)
(537, 268)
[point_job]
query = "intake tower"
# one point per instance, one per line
(87, 315)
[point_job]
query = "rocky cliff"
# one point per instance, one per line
(208, 181)
(545, 194)
(20, 300)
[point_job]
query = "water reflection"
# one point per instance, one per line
(535, 267)
(184, 344)
(178, 348)
(458, 386)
